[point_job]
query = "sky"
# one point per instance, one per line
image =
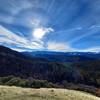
(54, 25)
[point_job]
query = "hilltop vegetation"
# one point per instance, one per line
(16, 93)
(34, 83)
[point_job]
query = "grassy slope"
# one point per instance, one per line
(17, 93)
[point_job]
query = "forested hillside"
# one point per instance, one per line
(83, 75)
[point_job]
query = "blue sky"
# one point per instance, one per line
(58, 25)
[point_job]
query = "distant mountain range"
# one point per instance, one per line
(51, 56)
(64, 56)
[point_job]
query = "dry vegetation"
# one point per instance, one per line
(17, 93)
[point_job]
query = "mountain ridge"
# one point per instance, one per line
(64, 56)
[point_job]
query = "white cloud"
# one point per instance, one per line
(13, 7)
(39, 33)
(9, 38)
(91, 32)
(20, 50)
(95, 26)
(35, 22)
(92, 49)
(54, 46)
(62, 47)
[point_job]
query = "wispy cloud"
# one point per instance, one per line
(10, 38)
(22, 44)
(92, 30)
(91, 49)
(54, 46)
(50, 6)
(63, 47)
(70, 30)
(12, 8)
(94, 26)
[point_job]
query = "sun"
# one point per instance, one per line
(39, 33)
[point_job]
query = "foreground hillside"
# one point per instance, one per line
(17, 93)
